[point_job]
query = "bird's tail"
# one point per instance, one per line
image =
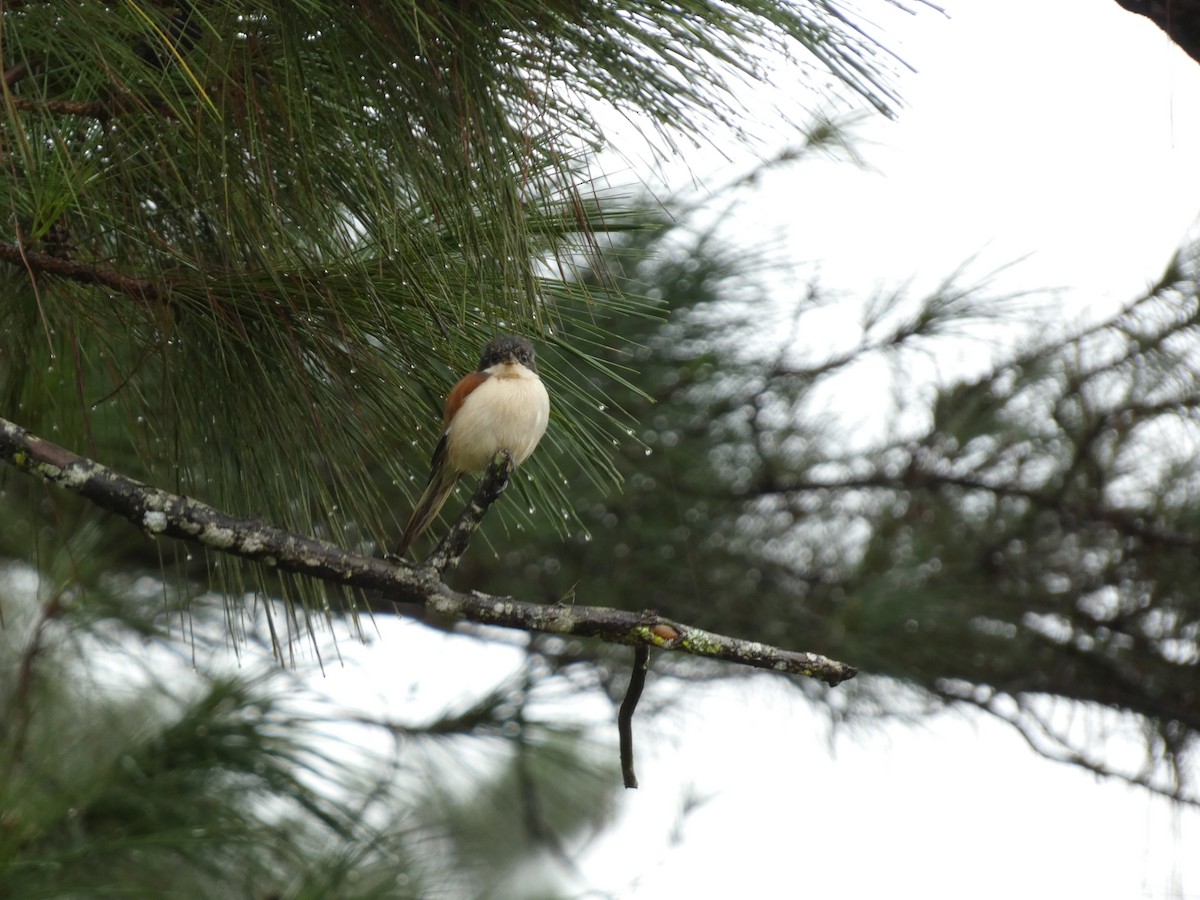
(427, 508)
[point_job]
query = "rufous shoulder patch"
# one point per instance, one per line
(461, 391)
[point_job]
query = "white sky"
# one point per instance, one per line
(954, 809)
(1066, 129)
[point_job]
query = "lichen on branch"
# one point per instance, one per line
(384, 583)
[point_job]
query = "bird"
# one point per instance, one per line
(501, 407)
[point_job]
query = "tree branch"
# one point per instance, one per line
(88, 109)
(16, 72)
(146, 290)
(1129, 522)
(100, 110)
(16, 729)
(1045, 742)
(452, 547)
(160, 513)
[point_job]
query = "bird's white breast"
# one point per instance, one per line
(509, 411)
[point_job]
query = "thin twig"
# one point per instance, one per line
(637, 682)
(100, 110)
(15, 73)
(88, 109)
(146, 290)
(1040, 738)
(21, 700)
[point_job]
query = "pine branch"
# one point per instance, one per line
(16, 72)
(100, 110)
(1045, 741)
(20, 714)
(142, 289)
(491, 486)
(90, 109)
(162, 514)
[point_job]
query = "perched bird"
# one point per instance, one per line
(501, 406)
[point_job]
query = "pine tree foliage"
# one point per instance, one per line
(124, 770)
(249, 247)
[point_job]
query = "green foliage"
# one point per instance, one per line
(198, 791)
(250, 247)
(123, 772)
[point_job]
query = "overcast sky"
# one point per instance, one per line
(1064, 131)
